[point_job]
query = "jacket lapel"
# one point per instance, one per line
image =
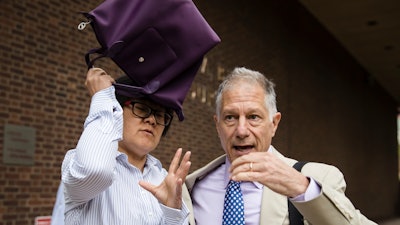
(276, 212)
(202, 172)
(274, 208)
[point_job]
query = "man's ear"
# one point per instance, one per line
(276, 118)
(216, 123)
(275, 121)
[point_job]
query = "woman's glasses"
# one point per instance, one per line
(143, 111)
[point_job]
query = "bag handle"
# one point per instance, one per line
(110, 52)
(90, 62)
(295, 216)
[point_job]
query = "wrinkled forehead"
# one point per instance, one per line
(245, 95)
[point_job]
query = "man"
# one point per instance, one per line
(106, 176)
(246, 121)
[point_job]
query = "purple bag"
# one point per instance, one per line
(159, 44)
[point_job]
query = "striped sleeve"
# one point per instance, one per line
(88, 170)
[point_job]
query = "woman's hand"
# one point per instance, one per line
(169, 192)
(97, 79)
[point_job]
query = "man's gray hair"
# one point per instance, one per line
(240, 75)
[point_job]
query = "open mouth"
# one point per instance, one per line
(243, 148)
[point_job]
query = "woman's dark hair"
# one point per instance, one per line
(122, 99)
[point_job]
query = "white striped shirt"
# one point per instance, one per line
(101, 186)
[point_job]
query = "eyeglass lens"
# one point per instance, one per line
(143, 111)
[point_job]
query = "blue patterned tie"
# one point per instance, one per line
(233, 205)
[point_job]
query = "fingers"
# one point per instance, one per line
(250, 167)
(245, 163)
(97, 79)
(180, 169)
(244, 167)
(184, 166)
(269, 170)
(175, 161)
(245, 172)
(148, 186)
(94, 72)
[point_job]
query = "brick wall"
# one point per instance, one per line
(329, 104)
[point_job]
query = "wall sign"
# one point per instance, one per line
(19, 145)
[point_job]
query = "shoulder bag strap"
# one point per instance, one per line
(295, 217)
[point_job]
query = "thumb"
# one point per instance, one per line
(148, 186)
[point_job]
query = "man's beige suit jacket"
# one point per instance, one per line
(331, 207)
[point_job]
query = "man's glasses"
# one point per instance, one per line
(143, 111)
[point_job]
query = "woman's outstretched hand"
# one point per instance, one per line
(169, 192)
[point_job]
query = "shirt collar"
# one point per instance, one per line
(151, 161)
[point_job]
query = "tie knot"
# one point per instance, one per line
(234, 184)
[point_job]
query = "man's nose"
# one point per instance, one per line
(242, 129)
